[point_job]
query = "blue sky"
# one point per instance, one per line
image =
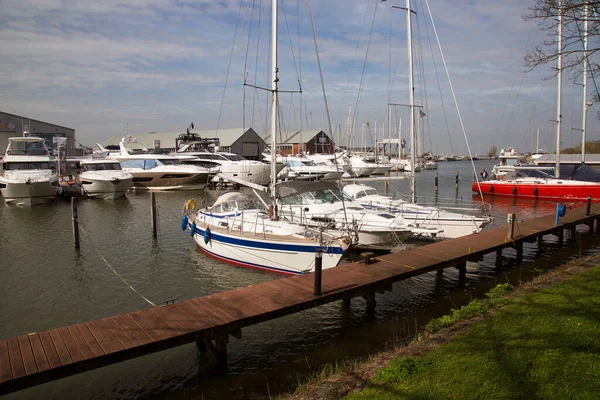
(157, 65)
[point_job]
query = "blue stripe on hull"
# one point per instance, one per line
(263, 245)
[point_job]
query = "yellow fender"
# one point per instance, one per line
(190, 205)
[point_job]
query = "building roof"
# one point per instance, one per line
(167, 139)
(36, 120)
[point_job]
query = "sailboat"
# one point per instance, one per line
(237, 230)
(547, 188)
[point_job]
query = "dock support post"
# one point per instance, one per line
(462, 270)
(318, 271)
(221, 346)
(589, 206)
(498, 258)
(386, 185)
(346, 302)
(435, 183)
(573, 233)
(511, 225)
(561, 236)
(201, 346)
(371, 302)
(75, 218)
(540, 241)
(440, 272)
(519, 248)
(153, 213)
(457, 182)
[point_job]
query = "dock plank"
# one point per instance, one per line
(117, 330)
(61, 349)
(16, 360)
(27, 354)
(70, 344)
(90, 340)
(141, 322)
(50, 350)
(38, 352)
(5, 369)
(108, 334)
(100, 338)
(136, 334)
(80, 342)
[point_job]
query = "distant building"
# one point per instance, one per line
(14, 125)
(307, 141)
(245, 143)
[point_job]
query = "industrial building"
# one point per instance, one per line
(14, 125)
(245, 143)
(305, 141)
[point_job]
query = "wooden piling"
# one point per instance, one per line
(75, 219)
(153, 214)
(511, 226)
(589, 206)
(519, 248)
(371, 302)
(499, 258)
(456, 181)
(435, 183)
(462, 270)
(221, 346)
(318, 272)
(386, 186)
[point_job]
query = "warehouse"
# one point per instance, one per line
(14, 125)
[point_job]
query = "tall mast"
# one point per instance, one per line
(413, 197)
(585, 61)
(559, 95)
(274, 88)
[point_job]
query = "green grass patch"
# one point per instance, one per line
(545, 345)
(497, 297)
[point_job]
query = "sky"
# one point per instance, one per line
(109, 67)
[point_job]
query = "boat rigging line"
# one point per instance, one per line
(462, 125)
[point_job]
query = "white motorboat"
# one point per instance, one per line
(307, 169)
(360, 168)
(103, 178)
(26, 177)
(381, 168)
(152, 171)
(321, 206)
(235, 230)
(430, 165)
(449, 224)
(227, 163)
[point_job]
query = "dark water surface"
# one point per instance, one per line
(45, 283)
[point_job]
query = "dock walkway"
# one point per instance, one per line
(37, 358)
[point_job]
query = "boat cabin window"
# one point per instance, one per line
(234, 206)
(512, 161)
(15, 166)
(23, 148)
(233, 157)
(168, 162)
(101, 166)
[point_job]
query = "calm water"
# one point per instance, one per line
(45, 283)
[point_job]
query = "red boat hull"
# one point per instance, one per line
(541, 191)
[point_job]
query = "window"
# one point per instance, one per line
(15, 166)
(101, 167)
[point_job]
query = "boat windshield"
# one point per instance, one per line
(323, 196)
(15, 166)
(101, 167)
(233, 157)
(235, 206)
(366, 192)
(26, 148)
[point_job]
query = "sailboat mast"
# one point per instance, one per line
(559, 94)
(274, 88)
(584, 75)
(413, 197)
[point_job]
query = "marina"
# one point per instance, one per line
(40, 357)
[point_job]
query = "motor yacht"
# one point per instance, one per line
(26, 177)
(153, 171)
(103, 178)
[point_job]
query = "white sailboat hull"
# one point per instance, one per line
(256, 252)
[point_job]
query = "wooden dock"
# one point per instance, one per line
(37, 358)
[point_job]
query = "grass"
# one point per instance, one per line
(542, 345)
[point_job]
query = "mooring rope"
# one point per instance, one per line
(115, 272)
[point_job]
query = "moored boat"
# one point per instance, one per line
(103, 178)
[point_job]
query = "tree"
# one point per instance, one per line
(492, 151)
(573, 12)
